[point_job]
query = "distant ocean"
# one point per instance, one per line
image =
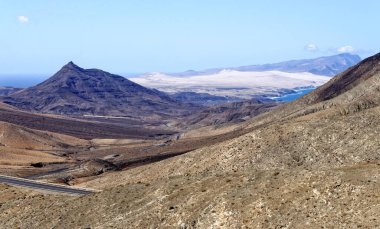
(21, 81)
(24, 81)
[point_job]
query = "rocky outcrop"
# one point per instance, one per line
(77, 91)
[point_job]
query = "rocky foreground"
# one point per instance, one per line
(309, 164)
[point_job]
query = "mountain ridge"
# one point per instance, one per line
(324, 65)
(302, 165)
(77, 91)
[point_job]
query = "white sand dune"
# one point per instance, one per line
(232, 83)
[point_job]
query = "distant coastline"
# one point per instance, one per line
(295, 95)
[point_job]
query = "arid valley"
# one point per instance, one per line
(292, 143)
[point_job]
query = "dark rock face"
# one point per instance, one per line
(77, 91)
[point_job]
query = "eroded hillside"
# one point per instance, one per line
(309, 163)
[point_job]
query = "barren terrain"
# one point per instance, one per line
(311, 163)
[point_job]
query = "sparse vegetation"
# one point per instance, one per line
(303, 164)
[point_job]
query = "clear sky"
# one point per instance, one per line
(135, 36)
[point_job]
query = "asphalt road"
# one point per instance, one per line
(15, 181)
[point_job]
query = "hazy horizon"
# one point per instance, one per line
(27, 80)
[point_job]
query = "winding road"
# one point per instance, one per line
(42, 186)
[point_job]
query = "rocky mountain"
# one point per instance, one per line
(326, 66)
(77, 91)
(309, 163)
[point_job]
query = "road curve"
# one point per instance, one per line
(37, 185)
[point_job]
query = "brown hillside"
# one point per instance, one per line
(80, 128)
(14, 136)
(309, 164)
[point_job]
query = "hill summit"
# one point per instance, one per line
(77, 91)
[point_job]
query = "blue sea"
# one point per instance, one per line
(292, 96)
(21, 81)
(24, 81)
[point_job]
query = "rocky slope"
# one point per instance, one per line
(85, 129)
(4, 91)
(351, 91)
(230, 113)
(77, 91)
(305, 174)
(308, 164)
(14, 136)
(20, 146)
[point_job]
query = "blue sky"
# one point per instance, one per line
(133, 36)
